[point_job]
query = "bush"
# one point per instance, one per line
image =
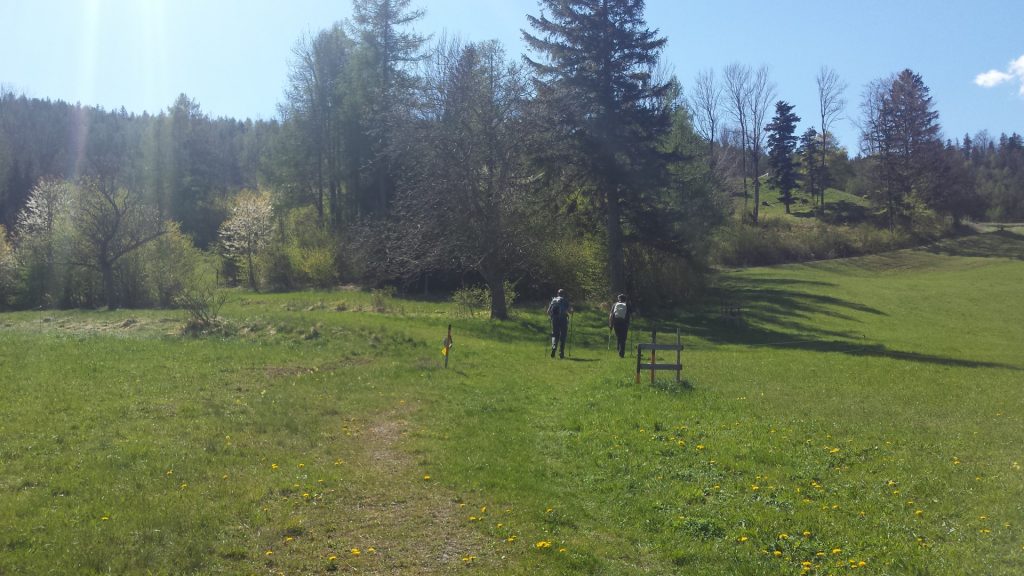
(202, 300)
(8, 271)
(576, 264)
(170, 263)
(311, 250)
(778, 241)
(473, 299)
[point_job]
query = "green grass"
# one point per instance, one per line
(864, 410)
(840, 206)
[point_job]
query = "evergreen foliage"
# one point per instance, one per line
(595, 69)
(782, 143)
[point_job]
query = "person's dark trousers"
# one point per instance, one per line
(559, 330)
(621, 327)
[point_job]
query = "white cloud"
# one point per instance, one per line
(1013, 73)
(991, 78)
(1017, 67)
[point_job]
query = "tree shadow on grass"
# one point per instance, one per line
(779, 313)
(1002, 244)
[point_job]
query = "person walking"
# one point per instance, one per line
(559, 310)
(618, 319)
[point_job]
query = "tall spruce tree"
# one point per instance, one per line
(388, 49)
(781, 145)
(904, 134)
(594, 75)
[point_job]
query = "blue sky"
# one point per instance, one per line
(232, 56)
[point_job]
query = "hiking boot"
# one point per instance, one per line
(552, 352)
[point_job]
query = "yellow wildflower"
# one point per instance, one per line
(356, 551)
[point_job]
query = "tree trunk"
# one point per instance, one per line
(757, 187)
(616, 259)
(107, 271)
(252, 273)
(494, 276)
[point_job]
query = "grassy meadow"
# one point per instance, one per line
(861, 416)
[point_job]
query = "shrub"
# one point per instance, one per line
(8, 271)
(473, 299)
(202, 300)
(777, 241)
(169, 264)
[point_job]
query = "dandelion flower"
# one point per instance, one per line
(356, 551)
(777, 553)
(742, 539)
(511, 538)
(837, 550)
(426, 477)
(371, 550)
(332, 558)
(861, 564)
(104, 518)
(269, 553)
(918, 512)
(542, 545)
(562, 550)
(273, 466)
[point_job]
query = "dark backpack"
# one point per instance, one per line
(558, 307)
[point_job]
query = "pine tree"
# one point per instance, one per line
(595, 78)
(905, 137)
(781, 145)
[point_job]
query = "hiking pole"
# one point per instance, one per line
(570, 334)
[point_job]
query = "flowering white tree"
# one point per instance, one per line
(248, 229)
(41, 233)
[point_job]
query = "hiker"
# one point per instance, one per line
(618, 319)
(559, 310)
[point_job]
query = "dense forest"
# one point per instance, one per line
(433, 164)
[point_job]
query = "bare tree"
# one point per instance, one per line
(737, 90)
(830, 105)
(706, 106)
(465, 203)
(110, 223)
(762, 94)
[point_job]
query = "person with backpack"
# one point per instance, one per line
(618, 319)
(559, 310)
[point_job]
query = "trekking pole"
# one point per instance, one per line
(570, 335)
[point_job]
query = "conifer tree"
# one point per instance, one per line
(594, 75)
(781, 145)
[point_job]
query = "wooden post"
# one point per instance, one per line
(679, 357)
(654, 340)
